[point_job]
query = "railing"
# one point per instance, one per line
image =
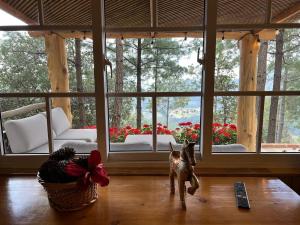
(47, 96)
(260, 94)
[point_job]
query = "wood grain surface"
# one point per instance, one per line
(143, 200)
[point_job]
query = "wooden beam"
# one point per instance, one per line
(41, 12)
(237, 35)
(269, 11)
(100, 79)
(22, 110)
(247, 120)
(287, 14)
(153, 12)
(207, 101)
(58, 71)
(9, 9)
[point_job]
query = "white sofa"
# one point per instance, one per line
(29, 135)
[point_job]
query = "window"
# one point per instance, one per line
(153, 93)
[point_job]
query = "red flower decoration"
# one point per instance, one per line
(146, 126)
(95, 173)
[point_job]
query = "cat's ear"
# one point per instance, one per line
(186, 142)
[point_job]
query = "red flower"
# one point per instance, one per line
(197, 126)
(168, 132)
(217, 139)
(188, 123)
(194, 137)
(232, 126)
(217, 125)
(146, 126)
(165, 127)
(226, 124)
(128, 127)
(147, 132)
(221, 131)
(136, 131)
(226, 134)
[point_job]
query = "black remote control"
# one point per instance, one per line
(241, 195)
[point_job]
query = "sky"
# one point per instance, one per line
(7, 19)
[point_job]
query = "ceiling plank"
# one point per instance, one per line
(9, 9)
(287, 13)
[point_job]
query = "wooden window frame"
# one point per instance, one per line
(119, 161)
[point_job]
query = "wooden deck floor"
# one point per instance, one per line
(143, 200)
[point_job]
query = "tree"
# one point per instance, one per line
(276, 87)
(139, 83)
(23, 68)
(226, 61)
(261, 73)
(79, 85)
(117, 105)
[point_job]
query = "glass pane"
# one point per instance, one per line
(178, 120)
(148, 65)
(283, 61)
(80, 64)
(235, 124)
(24, 127)
(277, 63)
(227, 65)
(281, 127)
(75, 128)
(23, 63)
(130, 124)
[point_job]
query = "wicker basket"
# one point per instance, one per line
(68, 197)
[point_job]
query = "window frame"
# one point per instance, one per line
(120, 161)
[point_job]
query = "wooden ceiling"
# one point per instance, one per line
(141, 13)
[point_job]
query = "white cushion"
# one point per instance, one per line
(162, 140)
(229, 148)
(89, 135)
(57, 144)
(26, 134)
(60, 122)
(142, 146)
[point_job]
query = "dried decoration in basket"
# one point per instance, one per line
(71, 183)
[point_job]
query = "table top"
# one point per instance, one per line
(136, 200)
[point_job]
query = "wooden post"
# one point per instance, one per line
(58, 71)
(247, 117)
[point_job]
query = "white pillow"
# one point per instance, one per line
(26, 134)
(60, 122)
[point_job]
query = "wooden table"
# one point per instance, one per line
(143, 200)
